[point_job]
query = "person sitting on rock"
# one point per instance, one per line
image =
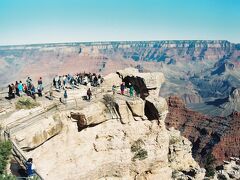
(30, 167)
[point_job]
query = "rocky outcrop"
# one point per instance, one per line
(179, 149)
(229, 170)
(128, 147)
(210, 135)
(124, 112)
(35, 135)
(136, 105)
(152, 81)
(229, 143)
(92, 115)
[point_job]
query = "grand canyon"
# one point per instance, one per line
(201, 89)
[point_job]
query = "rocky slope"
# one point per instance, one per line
(110, 137)
(230, 170)
(210, 135)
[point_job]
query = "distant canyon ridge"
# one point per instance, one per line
(204, 74)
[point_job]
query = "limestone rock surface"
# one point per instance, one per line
(33, 136)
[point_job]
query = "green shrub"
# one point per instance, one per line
(136, 146)
(139, 152)
(5, 151)
(209, 165)
(221, 177)
(7, 177)
(26, 103)
(174, 140)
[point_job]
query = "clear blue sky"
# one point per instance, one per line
(44, 21)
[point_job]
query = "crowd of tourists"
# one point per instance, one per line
(72, 81)
(63, 82)
(19, 87)
(90, 79)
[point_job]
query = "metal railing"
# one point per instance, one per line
(18, 152)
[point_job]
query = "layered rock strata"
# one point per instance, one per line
(210, 135)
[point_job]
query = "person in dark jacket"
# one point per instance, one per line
(122, 88)
(10, 92)
(16, 88)
(89, 94)
(30, 167)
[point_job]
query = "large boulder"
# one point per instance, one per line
(90, 115)
(136, 105)
(160, 104)
(153, 81)
(124, 112)
(180, 156)
(36, 134)
(109, 81)
(127, 72)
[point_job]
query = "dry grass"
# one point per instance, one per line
(26, 103)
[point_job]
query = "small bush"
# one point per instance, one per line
(174, 140)
(209, 165)
(5, 151)
(221, 177)
(139, 152)
(26, 103)
(7, 177)
(136, 146)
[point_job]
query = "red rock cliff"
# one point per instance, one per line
(217, 135)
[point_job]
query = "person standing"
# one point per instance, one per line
(10, 92)
(13, 90)
(20, 88)
(114, 89)
(16, 88)
(51, 93)
(65, 95)
(122, 88)
(89, 94)
(131, 90)
(40, 81)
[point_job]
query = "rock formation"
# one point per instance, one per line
(216, 135)
(112, 137)
(229, 170)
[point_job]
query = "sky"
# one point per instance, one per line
(53, 21)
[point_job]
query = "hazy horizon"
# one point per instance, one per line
(66, 21)
(116, 41)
